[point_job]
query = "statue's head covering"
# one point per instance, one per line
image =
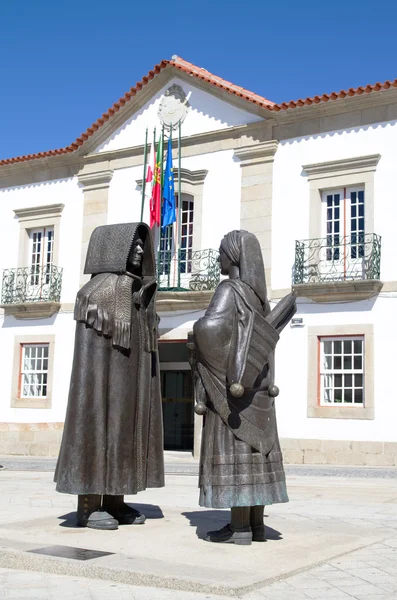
(110, 246)
(243, 249)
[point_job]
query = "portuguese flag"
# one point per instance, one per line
(155, 200)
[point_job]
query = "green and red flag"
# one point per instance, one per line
(155, 200)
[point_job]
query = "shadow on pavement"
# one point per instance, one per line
(208, 520)
(151, 511)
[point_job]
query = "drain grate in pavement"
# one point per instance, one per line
(71, 552)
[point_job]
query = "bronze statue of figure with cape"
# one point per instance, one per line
(113, 437)
(241, 464)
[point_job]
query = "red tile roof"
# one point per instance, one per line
(203, 74)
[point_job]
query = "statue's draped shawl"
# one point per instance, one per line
(105, 302)
(241, 461)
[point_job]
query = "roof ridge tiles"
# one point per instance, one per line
(201, 73)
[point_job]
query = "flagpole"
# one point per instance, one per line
(179, 199)
(144, 177)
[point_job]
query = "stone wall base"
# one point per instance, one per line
(335, 452)
(44, 439)
(30, 439)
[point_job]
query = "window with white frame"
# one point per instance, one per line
(341, 371)
(344, 230)
(41, 255)
(187, 216)
(34, 370)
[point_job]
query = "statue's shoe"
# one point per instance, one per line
(227, 535)
(99, 519)
(126, 515)
(258, 533)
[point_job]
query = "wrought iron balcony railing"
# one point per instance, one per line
(337, 258)
(188, 270)
(31, 284)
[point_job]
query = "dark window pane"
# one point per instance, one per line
(354, 225)
(337, 211)
(329, 214)
(361, 210)
(336, 199)
(337, 362)
(358, 362)
(337, 395)
(329, 226)
(354, 211)
(353, 197)
(347, 347)
(338, 381)
(358, 381)
(184, 217)
(361, 224)
(336, 226)
(329, 200)
(358, 346)
(348, 395)
(358, 396)
(361, 196)
(347, 362)
(348, 381)
(337, 347)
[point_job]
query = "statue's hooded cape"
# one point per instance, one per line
(113, 435)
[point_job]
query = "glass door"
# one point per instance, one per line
(342, 250)
(41, 255)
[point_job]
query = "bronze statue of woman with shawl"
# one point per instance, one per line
(241, 463)
(113, 438)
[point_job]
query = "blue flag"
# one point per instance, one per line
(169, 207)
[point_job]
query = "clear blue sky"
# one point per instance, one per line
(63, 63)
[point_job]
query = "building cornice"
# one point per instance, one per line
(350, 104)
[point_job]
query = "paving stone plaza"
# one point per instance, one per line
(336, 539)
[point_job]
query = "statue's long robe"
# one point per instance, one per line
(113, 436)
(241, 461)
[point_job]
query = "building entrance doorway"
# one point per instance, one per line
(177, 410)
(177, 395)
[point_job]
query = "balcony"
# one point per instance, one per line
(31, 292)
(338, 268)
(187, 278)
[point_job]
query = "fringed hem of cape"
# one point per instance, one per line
(228, 496)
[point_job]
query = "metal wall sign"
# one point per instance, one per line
(297, 322)
(174, 107)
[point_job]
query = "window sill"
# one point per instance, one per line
(341, 412)
(31, 402)
(31, 310)
(339, 290)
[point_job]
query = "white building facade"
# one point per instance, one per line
(312, 179)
